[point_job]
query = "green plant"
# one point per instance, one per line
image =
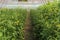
(12, 23)
(46, 22)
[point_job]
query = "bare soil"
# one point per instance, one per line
(28, 34)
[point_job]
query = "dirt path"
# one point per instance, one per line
(28, 28)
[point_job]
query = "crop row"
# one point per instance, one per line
(12, 23)
(46, 22)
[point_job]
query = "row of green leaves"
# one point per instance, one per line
(12, 23)
(46, 22)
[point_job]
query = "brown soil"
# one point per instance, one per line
(28, 34)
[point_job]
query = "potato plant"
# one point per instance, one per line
(12, 23)
(46, 22)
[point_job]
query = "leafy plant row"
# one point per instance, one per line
(46, 22)
(12, 23)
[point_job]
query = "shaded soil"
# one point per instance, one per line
(28, 33)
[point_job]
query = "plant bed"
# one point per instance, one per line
(46, 22)
(12, 23)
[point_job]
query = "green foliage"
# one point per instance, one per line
(12, 23)
(46, 22)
